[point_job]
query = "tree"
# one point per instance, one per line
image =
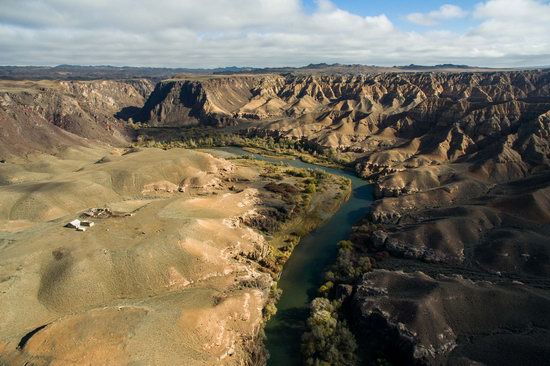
(329, 341)
(348, 264)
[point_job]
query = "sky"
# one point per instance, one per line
(270, 33)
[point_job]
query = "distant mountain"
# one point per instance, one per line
(440, 66)
(78, 72)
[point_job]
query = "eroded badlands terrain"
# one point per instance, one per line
(460, 163)
(461, 227)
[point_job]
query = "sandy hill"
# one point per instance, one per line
(174, 269)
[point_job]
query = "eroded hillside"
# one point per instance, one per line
(45, 115)
(177, 268)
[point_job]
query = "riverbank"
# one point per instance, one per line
(303, 272)
(331, 190)
(249, 139)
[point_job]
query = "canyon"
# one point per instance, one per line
(460, 163)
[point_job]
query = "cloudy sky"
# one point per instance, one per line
(212, 33)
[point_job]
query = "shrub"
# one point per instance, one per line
(324, 289)
(297, 173)
(270, 308)
(310, 188)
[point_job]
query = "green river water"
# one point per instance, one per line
(303, 272)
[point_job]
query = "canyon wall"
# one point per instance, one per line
(44, 115)
(496, 121)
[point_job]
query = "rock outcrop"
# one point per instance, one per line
(212, 101)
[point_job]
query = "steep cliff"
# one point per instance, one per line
(209, 101)
(397, 120)
(380, 101)
(43, 115)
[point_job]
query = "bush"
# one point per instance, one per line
(297, 173)
(324, 289)
(346, 245)
(310, 188)
(270, 308)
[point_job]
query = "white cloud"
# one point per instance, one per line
(261, 33)
(520, 27)
(445, 12)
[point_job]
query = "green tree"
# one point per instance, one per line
(329, 341)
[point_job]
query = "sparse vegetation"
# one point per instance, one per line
(208, 137)
(310, 188)
(270, 308)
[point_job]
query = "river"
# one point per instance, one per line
(303, 272)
